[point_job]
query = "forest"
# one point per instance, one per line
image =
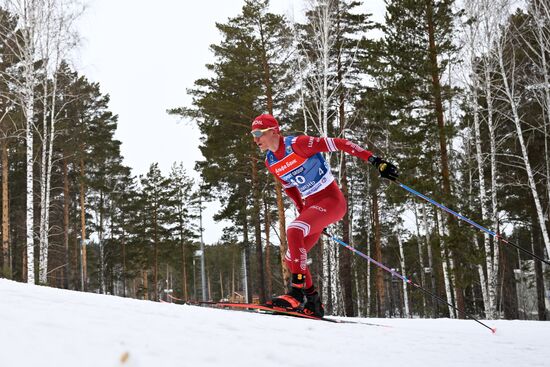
(455, 93)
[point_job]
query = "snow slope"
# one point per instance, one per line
(41, 326)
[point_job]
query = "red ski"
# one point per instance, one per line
(267, 309)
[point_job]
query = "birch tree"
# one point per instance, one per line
(403, 271)
(316, 47)
(40, 29)
(507, 70)
(56, 42)
(329, 45)
(318, 71)
(538, 28)
(485, 20)
(482, 21)
(490, 24)
(31, 21)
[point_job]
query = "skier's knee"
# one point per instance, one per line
(296, 231)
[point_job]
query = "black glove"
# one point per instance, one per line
(386, 169)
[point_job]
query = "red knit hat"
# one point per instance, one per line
(264, 122)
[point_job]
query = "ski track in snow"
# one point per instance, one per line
(52, 327)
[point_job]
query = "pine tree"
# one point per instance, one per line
(244, 84)
(156, 207)
(9, 131)
(408, 96)
(182, 217)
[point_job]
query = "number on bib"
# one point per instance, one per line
(298, 180)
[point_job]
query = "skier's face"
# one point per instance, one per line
(264, 138)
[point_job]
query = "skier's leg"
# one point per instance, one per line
(302, 234)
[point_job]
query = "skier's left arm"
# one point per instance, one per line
(307, 146)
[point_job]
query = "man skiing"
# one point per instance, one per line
(307, 179)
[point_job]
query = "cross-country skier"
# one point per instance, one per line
(306, 177)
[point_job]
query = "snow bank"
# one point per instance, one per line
(41, 326)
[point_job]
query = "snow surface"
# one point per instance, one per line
(41, 326)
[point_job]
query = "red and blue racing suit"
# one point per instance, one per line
(308, 181)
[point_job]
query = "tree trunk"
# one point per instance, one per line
(145, 285)
(487, 85)
(278, 188)
(436, 85)
(74, 251)
(345, 256)
(84, 262)
(541, 12)
(488, 292)
(156, 255)
(246, 263)
(43, 232)
(258, 230)
(404, 272)
(66, 206)
(6, 270)
(325, 42)
(537, 249)
(184, 288)
(49, 137)
(447, 277)
(510, 95)
(509, 292)
(29, 114)
(380, 290)
(282, 232)
(123, 249)
(420, 260)
(435, 305)
(369, 250)
(221, 286)
(42, 236)
(232, 279)
(268, 273)
(102, 285)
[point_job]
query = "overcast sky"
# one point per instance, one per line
(145, 55)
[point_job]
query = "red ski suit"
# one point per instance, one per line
(318, 209)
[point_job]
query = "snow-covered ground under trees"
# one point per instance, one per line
(41, 326)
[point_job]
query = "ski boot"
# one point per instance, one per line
(294, 299)
(313, 305)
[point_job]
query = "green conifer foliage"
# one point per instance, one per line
(225, 104)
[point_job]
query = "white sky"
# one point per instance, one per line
(145, 55)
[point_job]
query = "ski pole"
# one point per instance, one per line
(403, 278)
(471, 222)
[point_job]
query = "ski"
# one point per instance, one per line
(268, 309)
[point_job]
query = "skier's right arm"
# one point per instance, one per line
(294, 194)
